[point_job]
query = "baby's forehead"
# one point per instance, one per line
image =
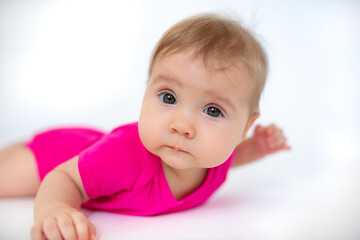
(232, 77)
(238, 76)
(234, 72)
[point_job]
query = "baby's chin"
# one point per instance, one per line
(174, 163)
(177, 161)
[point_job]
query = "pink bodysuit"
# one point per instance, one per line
(118, 173)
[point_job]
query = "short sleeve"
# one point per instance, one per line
(111, 165)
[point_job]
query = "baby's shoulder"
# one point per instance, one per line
(126, 129)
(126, 134)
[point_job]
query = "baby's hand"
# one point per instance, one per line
(269, 139)
(63, 223)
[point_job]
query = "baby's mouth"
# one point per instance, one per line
(177, 149)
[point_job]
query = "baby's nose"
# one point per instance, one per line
(182, 127)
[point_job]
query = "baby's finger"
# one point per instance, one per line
(36, 232)
(270, 142)
(92, 230)
(259, 130)
(278, 133)
(282, 145)
(66, 227)
(279, 142)
(286, 147)
(280, 139)
(270, 129)
(81, 225)
(51, 230)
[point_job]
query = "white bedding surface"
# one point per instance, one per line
(254, 204)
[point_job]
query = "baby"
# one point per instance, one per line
(205, 80)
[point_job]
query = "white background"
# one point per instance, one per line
(65, 63)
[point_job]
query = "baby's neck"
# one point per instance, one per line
(183, 182)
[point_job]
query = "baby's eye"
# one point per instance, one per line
(167, 98)
(213, 112)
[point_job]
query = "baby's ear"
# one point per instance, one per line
(250, 122)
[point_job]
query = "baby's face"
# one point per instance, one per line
(193, 117)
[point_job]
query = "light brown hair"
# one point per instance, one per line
(218, 38)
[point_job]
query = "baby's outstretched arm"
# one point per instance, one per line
(265, 141)
(56, 214)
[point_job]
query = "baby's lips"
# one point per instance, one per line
(177, 149)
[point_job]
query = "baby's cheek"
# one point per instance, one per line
(218, 158)
(145, 135)
(216, 155)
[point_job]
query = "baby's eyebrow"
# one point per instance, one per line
(162, 77)
(220, 98)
